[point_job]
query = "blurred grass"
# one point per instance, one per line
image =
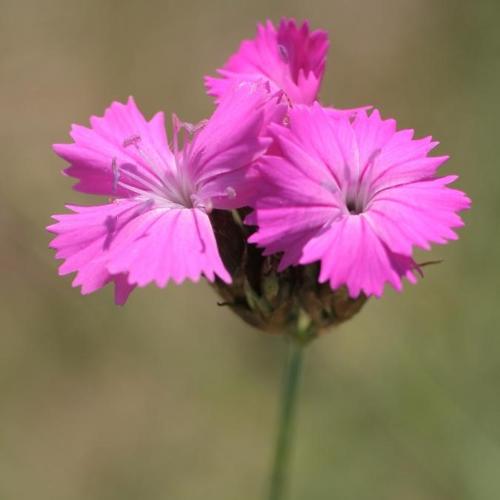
(172, 397)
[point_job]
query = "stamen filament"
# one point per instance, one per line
(147, 183)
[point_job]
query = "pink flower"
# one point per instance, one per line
(357, 196)
(157, 228)
(291, 58)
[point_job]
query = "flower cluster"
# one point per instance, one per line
(289, 207)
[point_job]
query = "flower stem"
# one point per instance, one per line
(288, 404)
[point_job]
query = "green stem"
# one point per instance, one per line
(288, 404)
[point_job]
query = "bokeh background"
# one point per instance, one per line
(171, 397)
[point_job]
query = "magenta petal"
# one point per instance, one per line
(292, 58)
(345, 113)
(292, 205)
(83, 239)
(131, 243)
(100, 152)
(122, 288)
(417, 214)
(163, 245)
(388, 157)
(232, 190)
(351, 254)
(330, 143)
(233, 136)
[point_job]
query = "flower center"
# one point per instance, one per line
(155, 179)
(358, 192)
(354, 205)
(164, 182)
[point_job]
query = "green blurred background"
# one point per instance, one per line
(172, 397)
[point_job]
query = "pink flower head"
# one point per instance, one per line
(157, 228)
(357, 196)
(292, 58)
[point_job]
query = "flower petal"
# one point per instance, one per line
(330, 142)
(233, 136)
(388, 157)
(417, 214)
(351, 254)
(122, 288)
(119, 148)
(83, 239)
(291, 208)
(133, 243)
(162, 245)
(291, 57)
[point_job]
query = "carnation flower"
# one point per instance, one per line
(157, 228)
(355, 195)
(292, 58)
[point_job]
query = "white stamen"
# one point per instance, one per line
(167, 183)
(176, 126)
(192, 128)
(147, 183)
(132, 140)
(134, 189)
(135, 140)
(116, 174)
(283, 53)
(208, 206)
(205, 205)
